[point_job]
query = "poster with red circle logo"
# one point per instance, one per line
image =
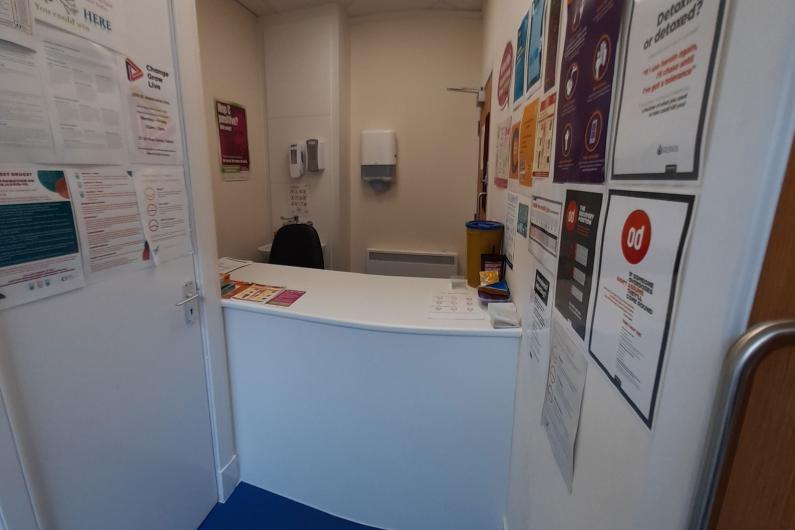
(643, 240)
(506, 72)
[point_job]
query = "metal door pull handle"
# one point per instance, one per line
(188, 300)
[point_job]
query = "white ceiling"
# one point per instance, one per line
(356, 8)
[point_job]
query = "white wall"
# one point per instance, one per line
(304, 65)
(401, 64)
(233, 70)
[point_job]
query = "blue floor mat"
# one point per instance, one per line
(252, 508)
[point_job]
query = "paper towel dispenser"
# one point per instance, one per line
(379, 157)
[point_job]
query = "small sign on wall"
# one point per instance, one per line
(233, 138)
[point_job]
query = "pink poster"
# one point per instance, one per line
(233, 137)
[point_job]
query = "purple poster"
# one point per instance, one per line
(233, 135)
(586, 81)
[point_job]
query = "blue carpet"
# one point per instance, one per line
(252, 508)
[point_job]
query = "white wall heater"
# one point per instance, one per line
(411, 263)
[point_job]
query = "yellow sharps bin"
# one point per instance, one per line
(483, 237)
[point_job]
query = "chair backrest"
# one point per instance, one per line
(297, 245)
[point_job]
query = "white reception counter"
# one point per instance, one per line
(354, 401)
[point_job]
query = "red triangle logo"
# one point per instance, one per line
(133, 72)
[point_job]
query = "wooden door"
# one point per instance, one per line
(484, 131)
(759, 489)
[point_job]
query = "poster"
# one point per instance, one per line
(511, 211)
(150, 94)
(537, 325)
(233, 138)
(85, 103)
(299, 200)
(16, 23)
(545, 132)
(25, 128)
(455, 305)
(545, 222)
(560, 414)
(163, 203)
(527, 143)
(101, 21)
(667, 81)
(286, 298)
(642, 245)
(506, 72)
(577, 255)
(258, 293)
(586, 90)
(108, 221)
(521, 59)
(514, 145)
(503, 149)
(521, 219)
(534, 46)
(39, 249)
(551, 46)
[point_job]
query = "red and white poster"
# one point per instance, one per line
(643, 241)
(233, 138)
(506, 72)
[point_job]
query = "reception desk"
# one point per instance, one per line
(355, 401)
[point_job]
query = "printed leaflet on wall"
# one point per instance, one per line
(233, 135)
(503, 149)
(534, 46)
(521, 59)
(551, 47)
(100, 21)
(545, 131)
(108, 221)
(39, 250)
(586, 90)
(644, 238)
(25, 131)
(85, 101)
(560, 414)
(163, 203)
(536, 328)
(16, 23)
(667, 80)
(527, 143)
(545, 219)
(150, 93)
(514, 144)
(577, 257)
(511, 210)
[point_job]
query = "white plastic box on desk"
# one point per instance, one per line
(355, 402)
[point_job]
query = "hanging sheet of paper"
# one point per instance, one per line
(522, 218)
(642, 246)
(299, 201)
(535, 329)
(16, 23)
(511, 211)
(586, 90)
(521, 59)
(233, 138)
(108, 221)
(534, 46)
(668, 74)
(527, 143)
(149, 88)
(560, 414)
(513, 172)
(25, 127)
(39, 249)
(227, 265)
(100, 21)
(455, 305)
(574, 278)
(551, 44)
(545, 132)
(84, 98)
(503, 149)
(163, 203)
(545, 224)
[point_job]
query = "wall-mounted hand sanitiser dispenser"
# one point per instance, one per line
(379, 158)
(315, 154)
(297, 159)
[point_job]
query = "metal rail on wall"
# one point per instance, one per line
(741, 361)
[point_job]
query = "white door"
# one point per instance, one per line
(106, 385)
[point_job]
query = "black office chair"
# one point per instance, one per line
(297, 245)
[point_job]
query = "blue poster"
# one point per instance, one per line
(521, 52)
(534, 54)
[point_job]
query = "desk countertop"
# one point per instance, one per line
(381, 303)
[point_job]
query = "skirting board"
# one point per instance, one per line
(228, 478)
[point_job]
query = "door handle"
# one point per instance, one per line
(187, 300)
(190, 301)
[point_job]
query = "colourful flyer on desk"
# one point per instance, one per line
(258, 293)
(286, 298)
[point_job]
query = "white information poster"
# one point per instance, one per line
(101, 21)
(545, 223)
(455, 305)
(642, 245)
(163, 203)
(668, 75)
(536, 328)
(108, 221)
(503, 150)
(511, 211)
(150, 93)
(39, 250)
(16, 22)
(85, 102)
(560, 414)
(25, 131)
